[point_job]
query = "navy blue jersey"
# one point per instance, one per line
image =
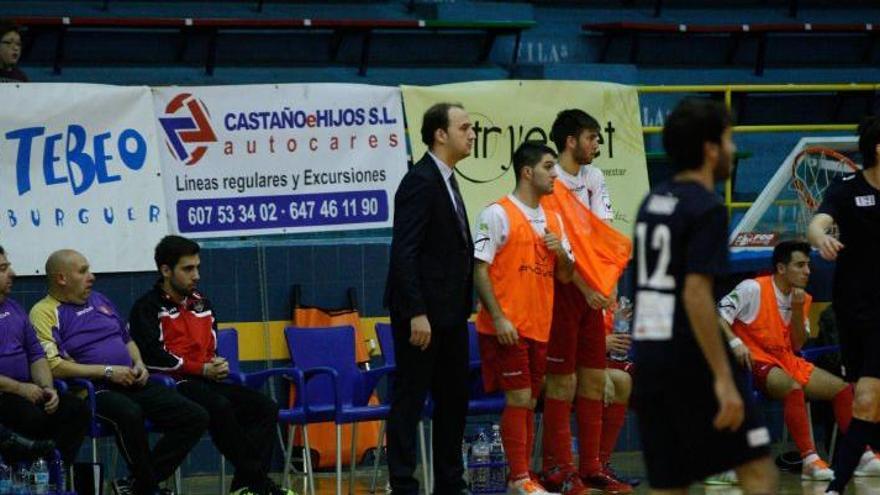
(854, 205)
(681, 228)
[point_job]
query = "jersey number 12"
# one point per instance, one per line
(661, 241)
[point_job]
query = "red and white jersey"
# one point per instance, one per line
(589, 187)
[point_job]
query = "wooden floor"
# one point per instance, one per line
(626, 463)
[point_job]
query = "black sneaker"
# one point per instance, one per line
(122, 486)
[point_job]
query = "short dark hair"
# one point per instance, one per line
(869, 138)
(693, 122)
(171, 248)
(8, 27)
(782, 252)
(436, 117)
(529, 154)
(571, 122)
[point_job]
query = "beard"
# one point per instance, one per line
(180, 289)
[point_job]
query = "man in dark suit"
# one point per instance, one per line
(430, 297)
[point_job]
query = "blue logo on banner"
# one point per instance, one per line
(78, 168)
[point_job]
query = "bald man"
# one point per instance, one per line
(84, 337)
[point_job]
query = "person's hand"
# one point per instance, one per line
(828, 247)
(618, 343)
(50, 400)
(731, 411)
(123, 375)
(141, 375)
(215, 370)
(420, 331)
(609, 391)
(505, 331)
(797, 298)
(743, 355)
(553, 243)
(222, 365)
(595, 299)
(31, 392)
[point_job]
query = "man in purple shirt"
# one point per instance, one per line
(84, 337)
(29, 403)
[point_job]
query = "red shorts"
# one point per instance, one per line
(513, 367)
(627, 366)
(577, 337)
(760, 372)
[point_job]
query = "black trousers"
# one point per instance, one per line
(67, 426)
(242, 425)
(442, 370)
(180, 421)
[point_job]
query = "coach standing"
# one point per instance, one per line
(430, 296)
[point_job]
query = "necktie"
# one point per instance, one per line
(459, 206)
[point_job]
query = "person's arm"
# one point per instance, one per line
(504, 329)
(700, 309)
(706, 256)
(593, 297)
(798, 320)
(817, 234)
(742, 304)
(411, 216)
(561, 249)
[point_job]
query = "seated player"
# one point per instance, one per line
(519, 250)
(175, 327)
(84, 337)
(29, 403)
(765, 320)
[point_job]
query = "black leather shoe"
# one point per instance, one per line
(15, 445)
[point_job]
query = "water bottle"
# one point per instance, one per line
(40, 472)
(622, 317)
(57, 477)
(498, 477)
(21, 480)
(5, 479)
(465, 455)
(480, 454)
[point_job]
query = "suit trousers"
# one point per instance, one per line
(442, 370)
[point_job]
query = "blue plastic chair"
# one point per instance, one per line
(348, 392)
(227, 347)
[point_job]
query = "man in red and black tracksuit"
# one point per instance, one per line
(175, 328)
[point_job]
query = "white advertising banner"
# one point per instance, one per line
(272, 159)
(79, 169)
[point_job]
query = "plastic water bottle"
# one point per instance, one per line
(21, 480)
(40, 471)
(622, 316)
(57, 477)
(498, 477)
(5, 479)
(465, 456)
(480, 454)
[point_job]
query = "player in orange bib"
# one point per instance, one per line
(576, 353)
(765, 320)
(519, 250)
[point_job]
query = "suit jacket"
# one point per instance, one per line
(431, 268)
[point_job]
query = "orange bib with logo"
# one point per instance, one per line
(769, 337)
(522, 277)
